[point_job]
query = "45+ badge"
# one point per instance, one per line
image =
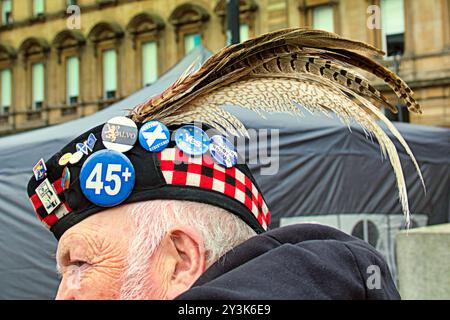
(107, 178)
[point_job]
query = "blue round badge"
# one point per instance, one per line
(192, 140)
(223, 151)
(107, 178)
(154, 136)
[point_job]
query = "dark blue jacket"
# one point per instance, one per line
(304, 261)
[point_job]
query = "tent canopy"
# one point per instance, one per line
(323, 168)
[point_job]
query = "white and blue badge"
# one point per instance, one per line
(192, 140)
(223, 151)
(119, 134)
(40, 170)
(82, 147)
(154, 136)
(107, 178)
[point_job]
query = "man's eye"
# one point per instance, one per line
(77, 263)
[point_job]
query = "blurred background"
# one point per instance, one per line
(56, 66)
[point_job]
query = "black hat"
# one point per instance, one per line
(60, 201)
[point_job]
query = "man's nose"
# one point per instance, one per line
(66, 292)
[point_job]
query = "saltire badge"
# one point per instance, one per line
(82, 147)
(192, 140)
(40, 170)
(48, 196)
(119, 134)
(88, 145)
(154, 136)
(65, 179)
(90, 142)
(107, 178)
(223, 151)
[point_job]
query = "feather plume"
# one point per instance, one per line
(285, 71)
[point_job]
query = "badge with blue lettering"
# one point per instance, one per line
(40, 170)
(107, 178)
(154, 136)
(119, 134)
(65, 179)
(192, 140)
(223, 151)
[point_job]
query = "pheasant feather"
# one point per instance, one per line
(289, 71)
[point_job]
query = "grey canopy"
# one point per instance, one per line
(325, 171)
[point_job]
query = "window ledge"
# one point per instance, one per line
(37, 19)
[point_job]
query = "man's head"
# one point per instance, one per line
(146, 250)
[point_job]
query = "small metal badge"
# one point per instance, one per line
(64, 160)
(40, 170)
(76, 157)
(119, 134)
(48, 196)
(90, 142)
(65, 179)
(192, 140)
(82, 147)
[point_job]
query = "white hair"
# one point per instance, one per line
(220, 230)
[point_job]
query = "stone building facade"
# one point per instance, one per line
(55, 67)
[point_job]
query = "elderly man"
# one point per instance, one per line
(165, 208)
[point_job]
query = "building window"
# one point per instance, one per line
(393, 26)
(109, 74)
(38, 81)
(6, 12)
(244, 32)
(191, 41)
(72, 80)
(38, 8)
(33, 54)
(149, 63)
(146, 30)
(323, 18)
(189, 21)
(5, 91)
(106, 38)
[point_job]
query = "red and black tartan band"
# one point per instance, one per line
(169, 174)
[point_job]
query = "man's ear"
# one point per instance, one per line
(188, 250)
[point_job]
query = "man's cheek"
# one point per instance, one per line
(98, 283)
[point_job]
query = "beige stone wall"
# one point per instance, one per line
(426, 64)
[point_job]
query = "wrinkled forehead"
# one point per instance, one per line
(112, 223)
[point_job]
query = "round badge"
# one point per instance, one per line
(119, 134)
(107, 178)
(154, 136)
(76, 157)
(223, 151)
(192, 140)
(64, 160)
